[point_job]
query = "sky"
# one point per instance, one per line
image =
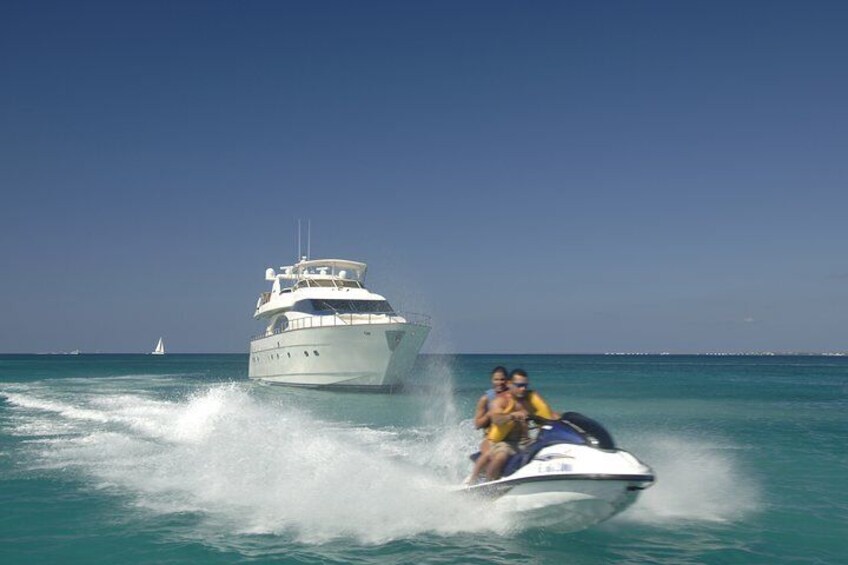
(545, 177)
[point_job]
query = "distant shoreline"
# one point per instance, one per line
(595, 354)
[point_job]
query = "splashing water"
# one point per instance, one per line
(261, 468)
(454, 438)
(697, 480)
(255, 465)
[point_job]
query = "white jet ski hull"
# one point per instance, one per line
(569, 486)
(571, 504)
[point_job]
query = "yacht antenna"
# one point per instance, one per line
(298, 239)
(308, 238)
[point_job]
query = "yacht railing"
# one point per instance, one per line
(349, 320)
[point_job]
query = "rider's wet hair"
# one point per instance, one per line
(502, 370)
(517, 373)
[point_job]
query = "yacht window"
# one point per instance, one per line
(329, 306)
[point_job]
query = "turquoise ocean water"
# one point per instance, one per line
(138, 459)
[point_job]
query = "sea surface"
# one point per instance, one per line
(180, 459)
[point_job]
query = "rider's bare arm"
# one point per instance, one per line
(481, 415)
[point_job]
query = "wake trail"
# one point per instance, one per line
(260, 468)
(251, 465)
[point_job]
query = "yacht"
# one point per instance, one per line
(324, 329)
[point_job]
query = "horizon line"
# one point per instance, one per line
(489, 353)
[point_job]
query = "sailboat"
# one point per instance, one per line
(160, 348)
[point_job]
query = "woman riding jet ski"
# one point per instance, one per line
(572, 475)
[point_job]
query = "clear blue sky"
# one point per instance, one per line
(539, 177)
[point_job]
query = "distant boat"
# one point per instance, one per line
(160, 348)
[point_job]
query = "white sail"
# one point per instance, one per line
(160, 348)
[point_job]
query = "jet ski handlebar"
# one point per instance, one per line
(594, 433)
(541, 421)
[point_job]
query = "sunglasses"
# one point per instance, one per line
(520, 385)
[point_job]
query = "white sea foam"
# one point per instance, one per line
(58, 407)
(697, 480)
(261, 468)
(254, 465)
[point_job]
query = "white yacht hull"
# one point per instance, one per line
(359, 356)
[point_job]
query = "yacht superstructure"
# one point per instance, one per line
(325, 329)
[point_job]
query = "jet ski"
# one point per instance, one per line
(572, 475)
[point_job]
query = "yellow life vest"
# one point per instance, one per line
(499, 432)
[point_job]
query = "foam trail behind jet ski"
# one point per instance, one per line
(256, 468)
(246, 464)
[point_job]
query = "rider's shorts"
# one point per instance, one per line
(504, 446)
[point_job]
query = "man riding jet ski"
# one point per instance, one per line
(507, 425)
(572, 473)
(572, 465)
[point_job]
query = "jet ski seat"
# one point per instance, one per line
(573, 427)
(514, 463)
